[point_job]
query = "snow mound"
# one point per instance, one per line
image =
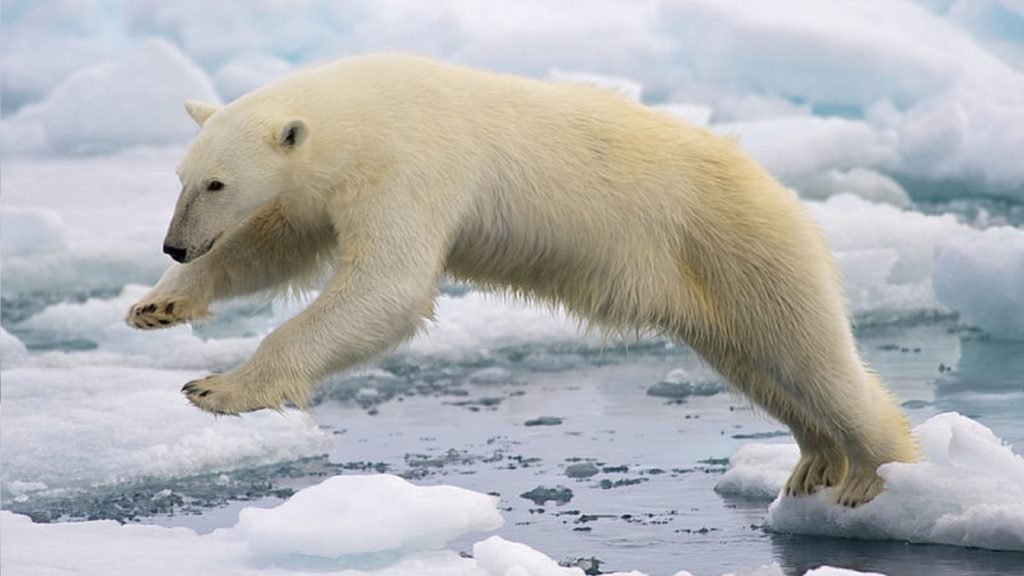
(982, 276)
(968, 491)
(758, 470)
(499, 556)
(136, 100)
(352, 515)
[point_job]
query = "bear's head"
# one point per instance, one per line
(238, 162)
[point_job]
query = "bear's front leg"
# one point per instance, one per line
(378, 296)
(274, 376)
(181, 295)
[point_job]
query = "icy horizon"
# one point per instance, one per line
(929, 94)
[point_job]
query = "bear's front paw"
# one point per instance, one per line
(215, 394)
(160, 312)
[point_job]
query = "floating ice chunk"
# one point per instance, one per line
(351, 515)
(499, 557)
(969, 491)
(772, 569)
(982, 276)
(833, 571)
(888, 271)
(136, 100)
(758, 471)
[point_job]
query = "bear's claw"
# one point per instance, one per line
(202, 395)
(162, 313)
(859, 487)
(814, 472)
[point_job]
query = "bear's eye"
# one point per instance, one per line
(215, 185)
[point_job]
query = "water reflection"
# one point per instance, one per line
(797, 554)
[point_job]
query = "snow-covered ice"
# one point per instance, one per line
(82, 426)
(967, 491)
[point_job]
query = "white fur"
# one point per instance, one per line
(404, 169)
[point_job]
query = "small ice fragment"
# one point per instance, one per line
(544, 421)
(541, 494)
(492, 375)
(581, 470)
(679, 384)
(367, 393)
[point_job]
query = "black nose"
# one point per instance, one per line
(177, 253)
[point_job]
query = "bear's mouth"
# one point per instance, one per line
(205, 248)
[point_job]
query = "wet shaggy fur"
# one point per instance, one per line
(393, 171)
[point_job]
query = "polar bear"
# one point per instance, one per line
(390, 171)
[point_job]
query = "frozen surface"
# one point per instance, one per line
(968, 491)
(982, 276)
(361, 525)
(81, 426)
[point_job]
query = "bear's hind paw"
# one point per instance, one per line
(813, 473)
(859, 487)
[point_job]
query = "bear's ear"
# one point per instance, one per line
(292, 133)
(200, 111)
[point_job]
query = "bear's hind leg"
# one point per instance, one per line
(882, 436)
(822, 461)
(851, 403)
